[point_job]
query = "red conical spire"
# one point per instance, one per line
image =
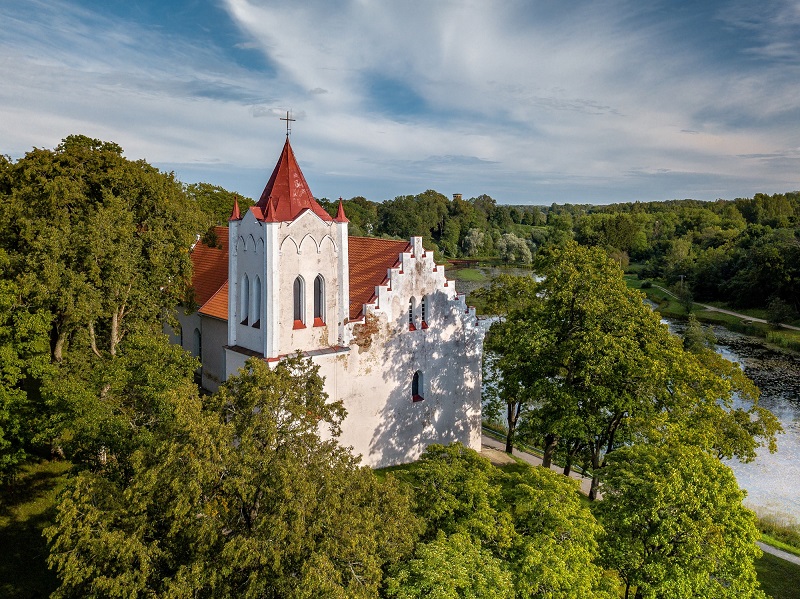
(235, 213)
(270, 216)
(287, 191)
(340, 217)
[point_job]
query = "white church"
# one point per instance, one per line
(394, 341)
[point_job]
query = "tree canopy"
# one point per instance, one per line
(240, 496)
(675, 525)
(588, 367)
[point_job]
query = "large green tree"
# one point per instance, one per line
(240, 497)
(528, 527)
(675, 525)
(98, 241)
(588, 366)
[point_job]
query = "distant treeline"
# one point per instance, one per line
(744, 251)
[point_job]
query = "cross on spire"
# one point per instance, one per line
(289, 120)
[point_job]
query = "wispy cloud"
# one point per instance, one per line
(520, 100)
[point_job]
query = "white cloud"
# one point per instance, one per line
(516, 93)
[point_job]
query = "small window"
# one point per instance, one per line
(197, 349)
(411, 326)
(257, 303)
(319, 301)
(416, 387)
(299, 301)
(244, 299)
(423, 310)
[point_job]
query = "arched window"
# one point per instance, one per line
(411, 326)
(319, 301)
(417, 387)
(299, 302)
(197, 346)
(244, 299)
(257, 303)
(423, 311)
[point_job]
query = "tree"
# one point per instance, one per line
(240, 496)
(24, 358)
(473, 242)
(589, 367)
(513, 249)
(675, 525)
(450, 568)
(98, 241)
(531, 525)
(215, 203)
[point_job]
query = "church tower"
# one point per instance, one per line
(288, 271)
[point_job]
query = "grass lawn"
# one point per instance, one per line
(779, 579)
(26, 508)
(469, 274)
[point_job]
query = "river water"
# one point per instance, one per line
(772, 481)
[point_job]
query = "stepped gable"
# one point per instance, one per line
(210, 267)
(369, 261)
(288, 191)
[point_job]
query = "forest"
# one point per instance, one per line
(165, 490)
(745, 252)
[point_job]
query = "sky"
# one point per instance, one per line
(530, 102)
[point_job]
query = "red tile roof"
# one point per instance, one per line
(217, 306)
(369, 258)
(288, 191)
(210, 267)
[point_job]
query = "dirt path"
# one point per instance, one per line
(785, 555)
(729, 312)
(493, 450)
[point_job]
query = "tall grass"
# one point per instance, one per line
(782, 528)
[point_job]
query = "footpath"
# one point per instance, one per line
(493, 450)
(729, 312)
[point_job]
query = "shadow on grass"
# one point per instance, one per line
(27, 507)
(779, 579)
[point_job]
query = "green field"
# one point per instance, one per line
(26, 508)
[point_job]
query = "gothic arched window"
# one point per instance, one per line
(423, 310)
(411, 326)
(319, 301)
(257, 303)
(299, 302)
(244, 299)
(197, 348)
(417, 387)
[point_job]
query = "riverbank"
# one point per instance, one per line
(785, 336)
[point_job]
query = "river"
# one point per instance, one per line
(772, 481)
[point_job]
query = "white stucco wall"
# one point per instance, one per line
(373, 375)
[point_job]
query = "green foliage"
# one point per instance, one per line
(215, 203)
(511, 248)
(675, 525)
(97, 241)
(529, 527)
(451, 568)
(781, 528)
(241, 497)
(589, 368)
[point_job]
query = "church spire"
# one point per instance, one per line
(288, 191)
(340, 217)
(235, 215)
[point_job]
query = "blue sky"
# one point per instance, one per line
(529, 102)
